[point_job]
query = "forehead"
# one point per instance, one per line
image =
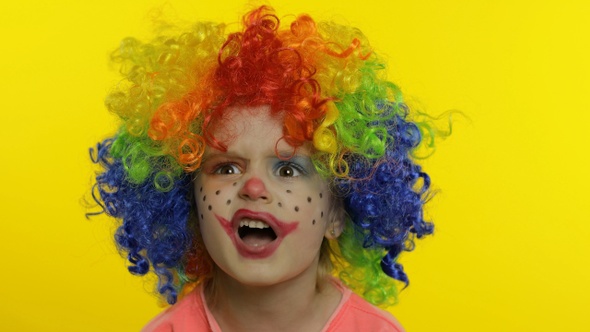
(238, 121)
(256, 125)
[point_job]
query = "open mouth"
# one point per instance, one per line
(256, 233)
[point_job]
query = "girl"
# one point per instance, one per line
(262, 175)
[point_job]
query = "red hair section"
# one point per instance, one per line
(264, 66)
(261, 65)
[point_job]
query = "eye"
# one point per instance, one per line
(227, 169)
(289, 169)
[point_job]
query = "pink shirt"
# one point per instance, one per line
(352, 314)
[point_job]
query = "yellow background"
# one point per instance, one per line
(510, 252)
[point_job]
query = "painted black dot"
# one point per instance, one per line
(309, 200)
(297, 209)
(322, 214)
(201, 189)
(313, 222)
(201, 216)
(217, 192)
(234, 184)
(280, 204)
(209, 207)
(204, 198)
(228, 202)
(321, 195)
(288, 191)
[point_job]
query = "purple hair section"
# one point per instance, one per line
(381, 197)
(154, 229)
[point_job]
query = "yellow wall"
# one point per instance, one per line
(511, 248)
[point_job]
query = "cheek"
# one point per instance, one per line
(304, 204)
(213, 199)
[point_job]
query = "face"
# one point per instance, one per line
(263, 210)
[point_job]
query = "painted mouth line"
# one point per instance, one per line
(256, 234)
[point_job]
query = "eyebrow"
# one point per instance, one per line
(302, 160)
(212, 154)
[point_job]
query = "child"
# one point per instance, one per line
(252, 169)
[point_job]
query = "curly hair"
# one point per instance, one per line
(332, 89)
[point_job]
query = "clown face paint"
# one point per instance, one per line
(263, 216)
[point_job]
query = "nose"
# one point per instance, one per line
(254, 189)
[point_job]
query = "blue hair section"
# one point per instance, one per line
(154, 231)
(385, 196)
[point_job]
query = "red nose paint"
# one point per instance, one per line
(254, 188)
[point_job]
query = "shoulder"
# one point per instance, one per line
(186, 315)
(356, 314)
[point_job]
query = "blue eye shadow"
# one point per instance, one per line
(300, 163)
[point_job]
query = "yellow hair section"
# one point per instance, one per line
(324, 138)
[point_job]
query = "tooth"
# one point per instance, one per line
(254, 224)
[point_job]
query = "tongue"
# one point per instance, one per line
(257, 238)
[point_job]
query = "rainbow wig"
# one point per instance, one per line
(332, 89)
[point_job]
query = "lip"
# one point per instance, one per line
(281, 229)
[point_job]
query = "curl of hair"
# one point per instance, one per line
(332, 90)
(153, 231)
(384, 198)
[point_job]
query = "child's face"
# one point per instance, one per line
(263, 218)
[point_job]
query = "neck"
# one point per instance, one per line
(303, 303)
